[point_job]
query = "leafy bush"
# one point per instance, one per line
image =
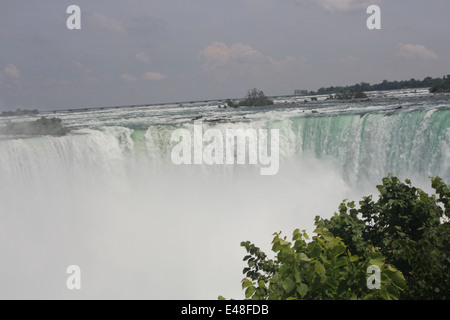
(406, 233)
(321, 269)
(409, 227)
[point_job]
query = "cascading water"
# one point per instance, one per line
(108, 198)
(368, 147)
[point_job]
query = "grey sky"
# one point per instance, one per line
(137, 52)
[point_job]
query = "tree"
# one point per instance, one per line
(405, 233)
(255, 98)
(442, 86)
(410, 228)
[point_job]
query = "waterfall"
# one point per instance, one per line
(110, 200)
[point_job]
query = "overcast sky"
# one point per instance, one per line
(140, 51)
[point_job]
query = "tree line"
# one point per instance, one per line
(19, 112)
(439, 85)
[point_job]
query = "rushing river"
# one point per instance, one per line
(108, 198)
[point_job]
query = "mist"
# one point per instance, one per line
(138, 231)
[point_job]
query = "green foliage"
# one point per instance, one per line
(255, 98)
(441, 86)
(409, 227)
(406, 233)
(321, 269)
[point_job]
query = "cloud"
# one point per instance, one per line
(103, 22)
(240, 66)
(11, 71)
(81, 67)
(127, 78)
(242, 57)
(415, 51)
(10, 77)
(341, 5)
(219, 54)
(343, 60)
(143, 57)
(153, 76)
(85, 72)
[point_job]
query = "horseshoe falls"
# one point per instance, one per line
(108, 198)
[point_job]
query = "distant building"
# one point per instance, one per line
(300, 92)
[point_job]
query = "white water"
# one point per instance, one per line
(108, 199)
